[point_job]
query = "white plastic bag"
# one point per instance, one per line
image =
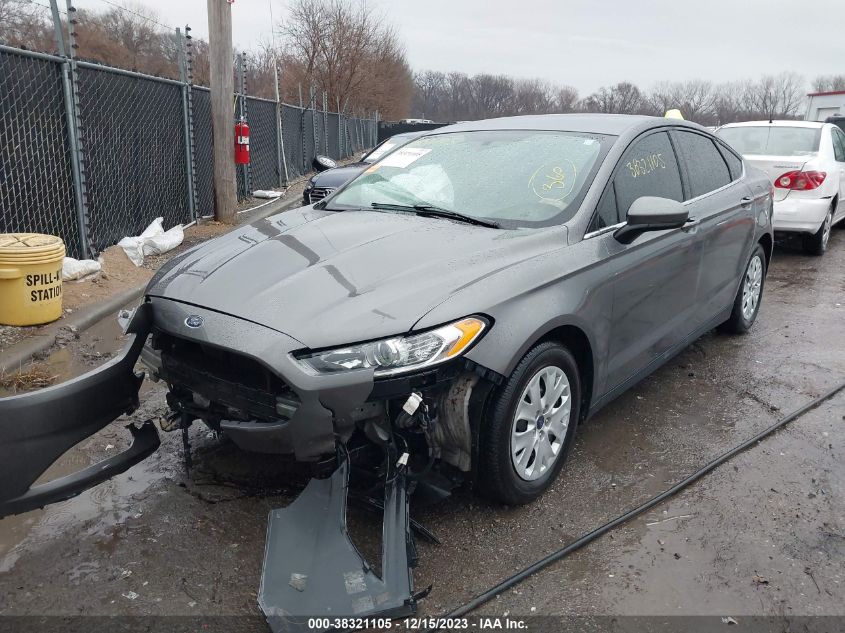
(266, 193)
(79, 268)
(153, 241)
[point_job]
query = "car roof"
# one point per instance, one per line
(614, 124)
(811, 124)
(413, 134)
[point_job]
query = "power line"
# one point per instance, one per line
(140, 15)
(44, 6)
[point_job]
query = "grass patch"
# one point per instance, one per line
(36, 376)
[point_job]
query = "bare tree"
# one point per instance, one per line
(429, 93)
(731, 102)
(829, 83)
(566, 99)
(623, 98)
(24, 24)
(131, 39)
(350, 52)
(777, 96)
(695, 99)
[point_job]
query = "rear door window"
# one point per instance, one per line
(648, 168)
(734, 162)
(705, 167)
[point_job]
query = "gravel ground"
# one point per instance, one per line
(762, 535)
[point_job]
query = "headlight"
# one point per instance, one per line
(399, 354)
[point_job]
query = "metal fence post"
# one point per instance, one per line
(325, 123)
(281, 160)
(247, 169)
(346, 151)
(57, 28)
(187, 117)
(375, 130)
(312, 103)
(70, 86)
(339, 130)
(302, 130)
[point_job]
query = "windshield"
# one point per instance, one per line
(771, 140)
(525, 178)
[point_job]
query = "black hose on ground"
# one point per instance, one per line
(591, 536)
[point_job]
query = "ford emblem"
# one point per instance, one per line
(194, 321)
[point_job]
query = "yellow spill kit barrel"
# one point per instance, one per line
(30, 278)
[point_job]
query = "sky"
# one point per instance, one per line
(585, 44)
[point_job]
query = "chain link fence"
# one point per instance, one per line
(36, 184)
(134, 147)
(203, 151)
(92, 153)
(292, 136)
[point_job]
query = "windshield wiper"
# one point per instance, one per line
(431, 211)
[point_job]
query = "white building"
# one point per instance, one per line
(821, 105)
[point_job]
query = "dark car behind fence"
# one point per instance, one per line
(92, 153)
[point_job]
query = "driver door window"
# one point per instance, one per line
(648, 168)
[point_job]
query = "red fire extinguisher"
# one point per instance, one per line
(241, 143)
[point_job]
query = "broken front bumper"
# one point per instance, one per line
(37, 428)
(325, 405)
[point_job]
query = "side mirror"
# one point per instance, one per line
(651, 214)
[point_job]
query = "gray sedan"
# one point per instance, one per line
(549, 261)
(452, 314)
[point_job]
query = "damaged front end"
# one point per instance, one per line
(400, 434)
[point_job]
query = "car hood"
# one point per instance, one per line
(333, 178)
(329, 278)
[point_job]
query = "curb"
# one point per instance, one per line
(20, 353)
(271, 207)
(17, 355)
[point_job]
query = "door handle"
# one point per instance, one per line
(746, 202)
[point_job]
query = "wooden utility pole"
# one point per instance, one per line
(221, 80)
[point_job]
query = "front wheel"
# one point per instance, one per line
(747, 302)
(533, 416)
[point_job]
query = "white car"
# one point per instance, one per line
(806, 163)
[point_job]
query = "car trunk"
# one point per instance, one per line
(776, 166)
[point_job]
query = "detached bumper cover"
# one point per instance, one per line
(312, 569)
(37, 428)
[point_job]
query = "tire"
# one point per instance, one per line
(742, 319)
(497, 472)
(322, 163)
(816, 244)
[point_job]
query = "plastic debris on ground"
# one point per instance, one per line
(265, 193)
(73, 269)
(153, 241)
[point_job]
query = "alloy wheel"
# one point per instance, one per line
(752, 287)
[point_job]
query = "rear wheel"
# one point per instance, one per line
(816, 244)
(747, 302)
(530, 427)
